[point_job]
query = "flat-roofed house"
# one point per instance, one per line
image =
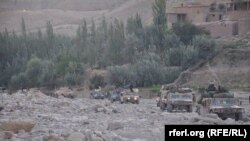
(223, 18)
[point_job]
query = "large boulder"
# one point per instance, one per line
(96, 139)
(35, 92)
(114, 126)
(65, 92)
(99, 108)
(52, 138)
(8, 135)
(15, 126)
(76, 136)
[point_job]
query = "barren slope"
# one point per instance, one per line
(231, 68)
(66, 15)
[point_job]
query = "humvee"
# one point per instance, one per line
(224, 107)
(179, 100)
(115, 96)
(97, 95)
(130, 97)
(222, 102)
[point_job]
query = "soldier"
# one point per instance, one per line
(249, 99)
(211, 87)
(131, 88)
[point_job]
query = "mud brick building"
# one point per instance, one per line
(223, 18)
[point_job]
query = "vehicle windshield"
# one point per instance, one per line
(224, 102)
(114, 94)
(98, 94)
(181, 96)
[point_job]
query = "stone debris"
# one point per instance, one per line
(39, 117)
(114, 126)
(16, 126)
(52, 138)
(65, 92)
(76, 136)
(8, 135)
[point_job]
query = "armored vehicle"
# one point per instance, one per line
(130, 97)
(222, 102)
(179, 100)
(115, 96)
(97, 95)
(224, 107)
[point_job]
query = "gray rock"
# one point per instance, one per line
(52, 138)
(215, 116)
(8, 135)
(97, 139)
(76, 136)
(114, 126)
(229, 121)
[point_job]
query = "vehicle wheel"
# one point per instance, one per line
(91, 97)
(190, 108)
(158, 104)
(170, 107)
(223, 117)
(238, 116)
(163, 106)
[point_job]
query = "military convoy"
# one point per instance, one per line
(214, 99)
(121, 95)
(176, 100)
(221, 102)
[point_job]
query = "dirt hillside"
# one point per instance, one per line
(231, 68)
(66, 15)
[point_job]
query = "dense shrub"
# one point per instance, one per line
(204, 45)
(71, 79)
(48, 74)
(34, 71)
(18, 81)
(190, 57)
(176, 56)
(121, 75)
(97, 81)
(187, 31)
(147, 71)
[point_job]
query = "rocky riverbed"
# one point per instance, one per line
(34, 116)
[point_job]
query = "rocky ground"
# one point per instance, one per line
(34, 116)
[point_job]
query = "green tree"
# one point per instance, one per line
(34, 71)
(205, 46)
(159, 13)
(50, 33)
(18, 81)
(48, 76)
(23, 27)
(160, 23)
(187, 31)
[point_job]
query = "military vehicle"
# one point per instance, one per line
(97, 95)
(222, 102)
(176, 100)
(130, 97)
(115, 96)
(224, 107)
